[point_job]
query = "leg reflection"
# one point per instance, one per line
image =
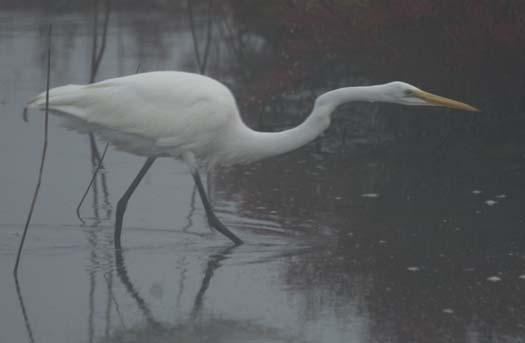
(215, 261)
(130, 288)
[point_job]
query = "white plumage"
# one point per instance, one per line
(168, 113)
(157, 113)
(193, 117)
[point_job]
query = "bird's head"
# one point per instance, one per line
(406, 94)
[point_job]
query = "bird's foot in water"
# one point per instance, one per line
(219, 226)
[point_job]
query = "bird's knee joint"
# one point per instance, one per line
(121, 205)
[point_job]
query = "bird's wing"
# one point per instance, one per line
(170, 109)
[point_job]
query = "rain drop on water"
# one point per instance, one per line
(494, 279)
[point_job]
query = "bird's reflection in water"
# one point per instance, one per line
(122, 273)
(196, 328)
(214, 263)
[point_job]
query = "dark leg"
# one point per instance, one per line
(123, 202)
(212, 218)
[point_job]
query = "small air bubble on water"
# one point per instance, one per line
(494, 278)
(370, 195)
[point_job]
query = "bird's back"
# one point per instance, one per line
(166, 111)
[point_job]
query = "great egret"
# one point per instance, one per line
(195, 118)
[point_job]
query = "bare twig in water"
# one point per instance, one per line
(193, 35)
(100, 165)
(93, 178)
(42, 161)
(208, 37)
(24, 311)
(114, 301)
(96, 58)
(191, 211)
(24, 115)
(96, 158)
(201, 62)
(96, 54)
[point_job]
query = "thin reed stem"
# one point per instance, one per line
(42, 161)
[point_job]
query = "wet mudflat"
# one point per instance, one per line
(398, 225)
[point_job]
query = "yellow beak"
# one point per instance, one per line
(442, 101)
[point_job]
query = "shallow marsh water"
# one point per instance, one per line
(398, 225)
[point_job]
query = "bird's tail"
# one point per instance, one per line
(58, 97)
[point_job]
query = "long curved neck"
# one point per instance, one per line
(258, 145)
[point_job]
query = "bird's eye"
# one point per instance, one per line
(409, 92)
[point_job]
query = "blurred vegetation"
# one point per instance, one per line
(466, 49)
(282, 54)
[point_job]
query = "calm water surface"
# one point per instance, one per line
(397, 225)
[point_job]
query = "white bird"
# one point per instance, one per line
(195, 118)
